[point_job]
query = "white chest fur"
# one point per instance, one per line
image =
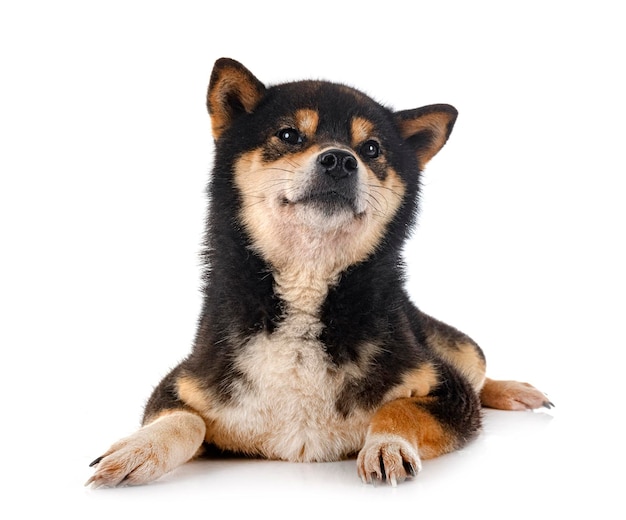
(284, 406)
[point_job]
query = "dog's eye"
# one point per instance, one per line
(370, 149)
(290, 136)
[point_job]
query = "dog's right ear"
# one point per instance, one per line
(233, 91)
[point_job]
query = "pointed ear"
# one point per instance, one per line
(426, 129)
(233, 91)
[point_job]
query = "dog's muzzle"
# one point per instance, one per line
(334, 185)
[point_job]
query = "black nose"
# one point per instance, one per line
(338, 163)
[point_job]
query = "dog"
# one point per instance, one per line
(308, 347)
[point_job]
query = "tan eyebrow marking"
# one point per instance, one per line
(307, 121)
(361, 129)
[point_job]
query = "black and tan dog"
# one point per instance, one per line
(308, 347)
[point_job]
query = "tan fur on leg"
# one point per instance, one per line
(150, 452)
(400, 434)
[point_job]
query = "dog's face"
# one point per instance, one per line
(321, 169)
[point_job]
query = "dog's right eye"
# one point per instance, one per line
(290, 136)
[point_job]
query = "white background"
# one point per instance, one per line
(105, 150)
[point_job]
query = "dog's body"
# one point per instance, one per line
(308, 347)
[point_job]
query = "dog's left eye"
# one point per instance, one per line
(370, 149)
(290, 136)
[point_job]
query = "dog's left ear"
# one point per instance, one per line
(426, 129)
(233, 91)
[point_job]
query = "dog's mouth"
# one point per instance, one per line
(328, 202)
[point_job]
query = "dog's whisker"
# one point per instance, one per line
(293, 162)
(388, 189)
(379, 208)
(275, 168)
(371, 197)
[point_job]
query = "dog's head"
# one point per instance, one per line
(319, 169)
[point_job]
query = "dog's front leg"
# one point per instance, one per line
(158, 447)
(391, 449)
(405, 431)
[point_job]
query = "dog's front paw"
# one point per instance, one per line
(133, 460)
(150, 452)
(389, 458)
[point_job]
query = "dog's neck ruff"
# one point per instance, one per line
(303, 293)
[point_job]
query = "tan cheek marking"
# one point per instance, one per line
(386, 196)
(361, 129)
(307, 121)
(395, 185)
(261, 186)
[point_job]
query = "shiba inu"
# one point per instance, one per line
(308, 347)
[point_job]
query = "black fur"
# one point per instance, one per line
(368, 304)
(308, 347)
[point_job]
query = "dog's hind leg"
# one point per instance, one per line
(456, 348)
(467, 357)
(158, 447)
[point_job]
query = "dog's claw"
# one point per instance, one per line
(411, 469)
(387, 458)
(92, 482)
(96, 462)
